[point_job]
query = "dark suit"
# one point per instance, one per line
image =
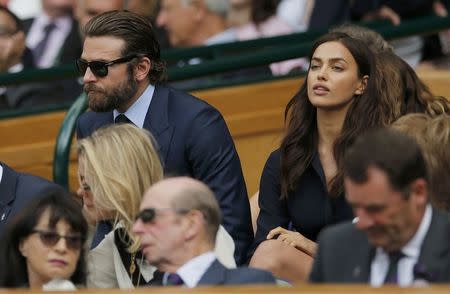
(217, 274)
(345, 255)
(194, 141)
(17, 189)
(72, 47)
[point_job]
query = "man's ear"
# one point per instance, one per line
(362, 85)
(419, 191)
(142, 69)
(194, 224)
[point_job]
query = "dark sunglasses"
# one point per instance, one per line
(100, 68)
(148, 215)
(50, 239)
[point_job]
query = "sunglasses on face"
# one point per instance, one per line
(148, 215)
(100, 68)
(50, 239)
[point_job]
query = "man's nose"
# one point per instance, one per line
(89, 77)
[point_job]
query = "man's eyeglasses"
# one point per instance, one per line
(50, 239)
(148, 215)
(100, 68)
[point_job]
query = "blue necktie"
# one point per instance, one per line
(39, 50)
(174, 280)
(392, 273)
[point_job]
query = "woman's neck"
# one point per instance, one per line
(35, 282)
(329, 127)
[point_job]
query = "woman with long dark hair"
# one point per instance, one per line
(301, 189)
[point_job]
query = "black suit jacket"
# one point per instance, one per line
(18, 189)
(72, 47)
(345, 255)
(217, 274)
(194, 140)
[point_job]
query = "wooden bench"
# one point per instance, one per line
(254, 114)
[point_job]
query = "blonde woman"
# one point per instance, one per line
(116, 165)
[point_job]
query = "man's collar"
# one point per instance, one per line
(138, 110)
(192, 271)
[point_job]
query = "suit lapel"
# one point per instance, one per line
(157, 120)
(434, 254)
(214, 275)
(363, 255)
(8, 185)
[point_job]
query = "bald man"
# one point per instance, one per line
(177, 224)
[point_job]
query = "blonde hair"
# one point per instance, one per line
(121, 163)
(433, 136)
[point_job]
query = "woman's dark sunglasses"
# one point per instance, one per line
(148, 215)
(100, 68)
(50, 239)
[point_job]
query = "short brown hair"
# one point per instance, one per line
(136, 31)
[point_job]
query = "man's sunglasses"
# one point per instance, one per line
(148, 215)
(50, 239)
(100, 68)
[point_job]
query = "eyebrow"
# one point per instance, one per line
(335, 59)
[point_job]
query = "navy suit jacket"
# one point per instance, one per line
(194, 141)
(345, 254)
(17, 190)
(217, 274)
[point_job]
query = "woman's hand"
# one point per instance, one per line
(293, 239)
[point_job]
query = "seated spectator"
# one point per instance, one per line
(17, 190)
(44, 243)
(302, 185)
(53, 35)
(406, 92)
(396, 237)
(15, 57)
(201, 23)
(195, 23)
(116, 165)
(433, 136)
(192, 136)
(87, 9)
(265, 23)
(177, 224)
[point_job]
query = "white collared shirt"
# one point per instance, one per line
(380, 262)
(137, 112)
(192, 271)
(1, 173)
(63, 26)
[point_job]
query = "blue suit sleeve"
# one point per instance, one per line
(214, 161)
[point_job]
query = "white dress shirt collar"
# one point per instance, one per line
(1, 173)
(380, 263)
(192, 271)
(137, 112)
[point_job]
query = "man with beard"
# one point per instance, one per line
(396, 237)
(122, 69)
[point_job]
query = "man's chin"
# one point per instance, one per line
(99, 107)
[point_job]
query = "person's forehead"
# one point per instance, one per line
(102, 48)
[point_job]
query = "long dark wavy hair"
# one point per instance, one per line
(13, 272)
(301, 139)
(407, 93)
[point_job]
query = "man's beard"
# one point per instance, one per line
(105, 100)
